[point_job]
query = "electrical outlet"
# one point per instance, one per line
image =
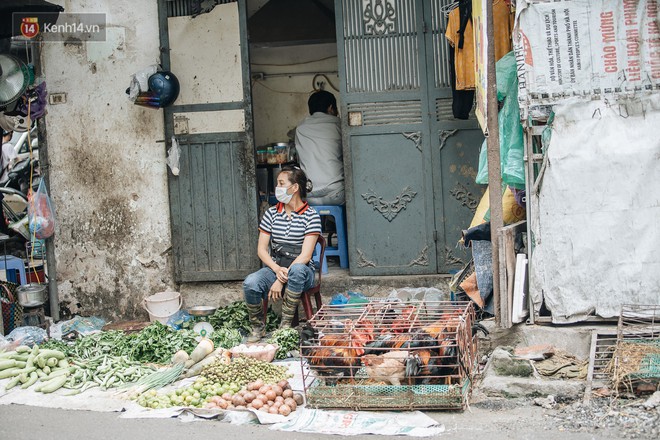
(56, 98)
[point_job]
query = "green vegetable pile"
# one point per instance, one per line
(287, 339)
(104, 371)
(243, 370)
(154, 344)
(235, 316)
(158, 342)
(226, 337)
(50, 370)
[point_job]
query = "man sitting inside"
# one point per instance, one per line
(318, 143)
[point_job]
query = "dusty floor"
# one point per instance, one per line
(491, 419)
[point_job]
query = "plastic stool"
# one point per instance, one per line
(13, 263)
(341, 250)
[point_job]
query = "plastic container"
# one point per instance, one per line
(162, 305)
(262, 156)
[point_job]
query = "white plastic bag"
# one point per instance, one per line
(173, 157)
(140, 81)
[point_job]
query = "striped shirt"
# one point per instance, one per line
(284, 230)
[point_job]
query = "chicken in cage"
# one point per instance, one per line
(392, 343)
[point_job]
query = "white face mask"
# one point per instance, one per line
(282, 196)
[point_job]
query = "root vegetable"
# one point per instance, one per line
(284, 384)
(291, 403)
(262, 397)
(257, 404)
(278, 390)
(270, 395)
(287, 394)
(264, 388)
(284, 410)
(238, 401)
(273, 410)
(227, 396)
(279, 399)
(298, 398)
(249, 397)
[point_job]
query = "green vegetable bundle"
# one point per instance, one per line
(235, 316)
(154, 344)
(287, 339)
(226, 337)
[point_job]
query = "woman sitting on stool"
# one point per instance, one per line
(289, 230)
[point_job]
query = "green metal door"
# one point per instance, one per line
(213, 202)
(454, 144)
(401, 148)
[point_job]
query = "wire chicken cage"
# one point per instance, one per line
(635, 365)
(389, 355)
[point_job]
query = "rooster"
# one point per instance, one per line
(389, 367)
(334, 356)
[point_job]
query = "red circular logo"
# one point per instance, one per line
(30, 27)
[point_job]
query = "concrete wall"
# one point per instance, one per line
(108, 173)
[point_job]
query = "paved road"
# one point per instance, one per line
(26, 422)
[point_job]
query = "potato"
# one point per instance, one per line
(284, 410)
(287, 394)
(278, 390)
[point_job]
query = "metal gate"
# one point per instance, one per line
(213, 202)
(409, 165)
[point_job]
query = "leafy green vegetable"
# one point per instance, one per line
(235, 316)
(287, 339)
(155, 343)
(226, 337)
(158, 342)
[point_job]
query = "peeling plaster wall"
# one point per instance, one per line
(107, 172)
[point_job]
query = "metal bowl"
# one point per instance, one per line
(31, 295)
(202, 310)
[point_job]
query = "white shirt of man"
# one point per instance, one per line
(6, 159)
(318, 143)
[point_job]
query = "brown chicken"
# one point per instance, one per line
(389, 367)
(334, 356)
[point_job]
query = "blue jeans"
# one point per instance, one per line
(257, 285)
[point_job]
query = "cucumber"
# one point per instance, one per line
(12, 383)
(33, 378)
(54, 384)
(10, 372)
(9, 363)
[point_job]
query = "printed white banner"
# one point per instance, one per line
(586, 48)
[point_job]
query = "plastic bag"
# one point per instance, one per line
(177, 320)
(82, 325)
(140, 81)
(41, 217)
(173, 155)
(511, 132)
(349, 298)
(28, 335)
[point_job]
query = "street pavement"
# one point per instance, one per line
(27, 422)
